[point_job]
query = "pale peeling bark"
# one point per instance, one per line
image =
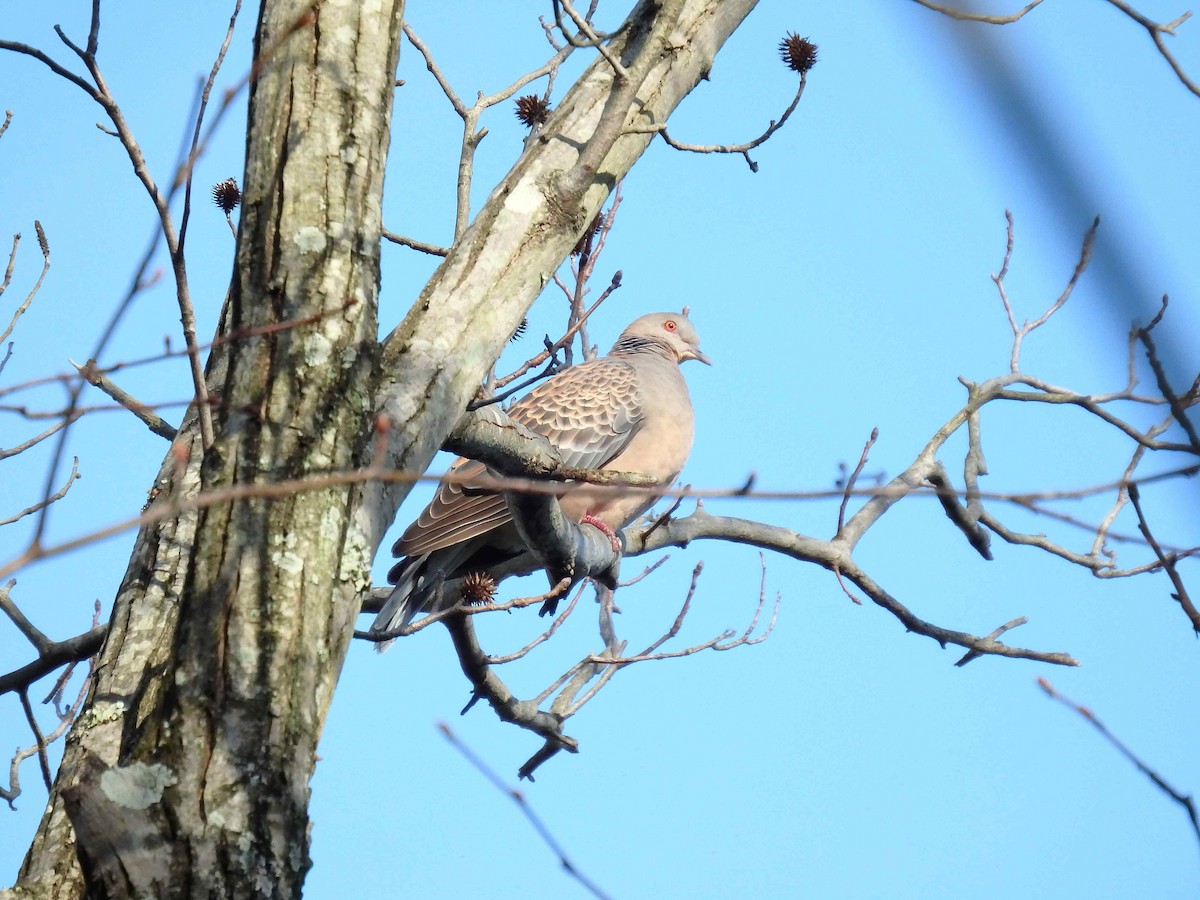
(188, 772)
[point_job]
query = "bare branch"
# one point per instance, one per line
(193, 153)
(66, 718)
(1164, 385)
(649, 569)
(488, 685)
(18, 47)
(431, 249)
(20, 311)
(28, 629)
(434, 70)
(56, 654)
(744, 148)
(544, 636)
(978, 17)
(830, 555)
(471, 134)
(727, 640)
(38, 737)
(1157, 31)
(239, 334)
(1007, 626)
(563, 341)
(45, 502)
(850, 482)
(1019, 333)
(1179, 797)
(1048, 393)
(460, 609)
(553, 367)
(33, 441)
(1168, 562)
(95, 377)
(960, 516)
(161, 203)
(517, 797)
(594, 38)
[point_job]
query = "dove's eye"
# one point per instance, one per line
(670, 325)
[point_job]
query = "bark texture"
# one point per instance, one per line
(187, 773)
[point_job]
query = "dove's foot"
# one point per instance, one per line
(596, 523)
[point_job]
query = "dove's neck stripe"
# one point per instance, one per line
(629, 343)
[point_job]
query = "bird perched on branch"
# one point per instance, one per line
(628, 411)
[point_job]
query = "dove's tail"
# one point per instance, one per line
(403, 603)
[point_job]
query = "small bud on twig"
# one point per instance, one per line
(42, 242)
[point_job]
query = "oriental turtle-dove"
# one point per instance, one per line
(629, 411)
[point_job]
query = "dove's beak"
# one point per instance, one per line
(696, 354)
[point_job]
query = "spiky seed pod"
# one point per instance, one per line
(591, 232)
(227, 195)
(532, 110)
(798, 54)
(478, 588)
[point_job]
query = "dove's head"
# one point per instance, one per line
(672, 334)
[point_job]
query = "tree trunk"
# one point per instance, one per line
(187, 772)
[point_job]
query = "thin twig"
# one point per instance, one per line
(413, 243)
(463, 608)
(43, 761)
(1019, 333)
(850, 482)
(1167, 560)
(154, 422)
(80, 647)
(37, 439)
(544, 636)
(1156, 31)
(45, 502)
(201, 107)
(744, 149)
(227, 338)
(1184, 800)
(957, 513)
(962, 16)
(20, 311)
(1007, 626)
(552, 368)
(564, 340)
(526, 810)
(1164, 385)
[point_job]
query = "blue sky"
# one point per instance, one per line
(844, 286)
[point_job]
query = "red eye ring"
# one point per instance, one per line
(670, 325)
